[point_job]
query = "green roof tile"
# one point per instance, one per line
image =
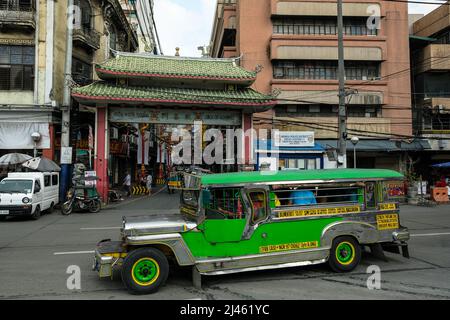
(173, 67)
(103, 90)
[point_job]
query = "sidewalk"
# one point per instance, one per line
(133, 198)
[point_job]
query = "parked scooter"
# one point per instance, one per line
(81, 198)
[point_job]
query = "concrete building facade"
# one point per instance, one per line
(430, 65)
(140, 15)
(32, 57)
(293, 45)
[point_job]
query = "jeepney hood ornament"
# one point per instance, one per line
(156, 224)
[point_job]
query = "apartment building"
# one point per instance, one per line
(293, 46)
(140, 15)
(32, 57)
(430, 65)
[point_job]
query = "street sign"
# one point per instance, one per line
(66, 155)
(294, 139)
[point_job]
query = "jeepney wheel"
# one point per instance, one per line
(345, 254)
(144, 270)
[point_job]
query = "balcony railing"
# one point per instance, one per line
(17, 13)
(87, 36)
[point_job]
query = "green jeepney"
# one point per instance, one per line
(247, 221)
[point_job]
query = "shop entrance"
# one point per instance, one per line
(141, 142)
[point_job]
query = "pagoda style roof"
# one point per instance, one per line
(130, 65)
(102, 91)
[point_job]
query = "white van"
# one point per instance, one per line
(28, 194)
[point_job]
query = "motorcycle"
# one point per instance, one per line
(81, 198)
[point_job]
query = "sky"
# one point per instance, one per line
(187, 24)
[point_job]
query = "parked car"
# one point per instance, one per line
(247, 221)
(28, 194)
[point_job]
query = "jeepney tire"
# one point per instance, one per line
(155, 256)
(340, 264)
(37, 213)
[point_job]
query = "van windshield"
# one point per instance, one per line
(16, 186)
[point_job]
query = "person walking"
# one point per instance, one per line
(127, 184)
(149, 182)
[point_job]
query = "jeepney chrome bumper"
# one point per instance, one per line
(103, 264)
(401, 234)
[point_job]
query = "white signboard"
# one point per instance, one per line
(87, 182)
(294, 139)
(66, 155)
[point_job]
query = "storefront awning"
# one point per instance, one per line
(381, 145)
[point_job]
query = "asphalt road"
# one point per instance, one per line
(35, 256)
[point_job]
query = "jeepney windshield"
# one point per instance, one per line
(16, 186)
(189, 203)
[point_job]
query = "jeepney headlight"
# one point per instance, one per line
(26, 200)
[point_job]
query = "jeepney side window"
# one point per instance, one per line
(259, 209)
(370, 195)
(326, 194)
(225, 203)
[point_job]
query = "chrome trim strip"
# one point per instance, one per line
(261, 255)
(268, 267)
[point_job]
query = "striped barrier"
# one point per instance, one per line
(138, 190)
(160, 181)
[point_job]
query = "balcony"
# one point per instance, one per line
(434, 57)
(17, 14)
(87, 37)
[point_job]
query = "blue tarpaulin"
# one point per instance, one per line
(442, 165)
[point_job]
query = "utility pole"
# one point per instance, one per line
(65, 121)
(342, 117)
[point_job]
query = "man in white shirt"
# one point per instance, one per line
(127, 184)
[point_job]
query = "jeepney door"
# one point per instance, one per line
(225, 216)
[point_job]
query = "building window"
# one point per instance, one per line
(328, 110)
(112, 37)
(81, 72)
(325, 70)
(17, 5)
(86, 14)
(16, 67)
(354, 26)
(443, 37)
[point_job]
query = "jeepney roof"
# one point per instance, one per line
(298, 175)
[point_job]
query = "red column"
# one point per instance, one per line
(101, 160)
(247, 124)
(50, 153)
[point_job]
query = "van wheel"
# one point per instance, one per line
(51, 209)
(144, 270)
(345, 254)
(37, 213)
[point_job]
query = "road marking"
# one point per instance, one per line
(430, 234)
(72, 252)
(100, 228)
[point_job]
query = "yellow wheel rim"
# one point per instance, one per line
(345, 253)
(145, 271)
